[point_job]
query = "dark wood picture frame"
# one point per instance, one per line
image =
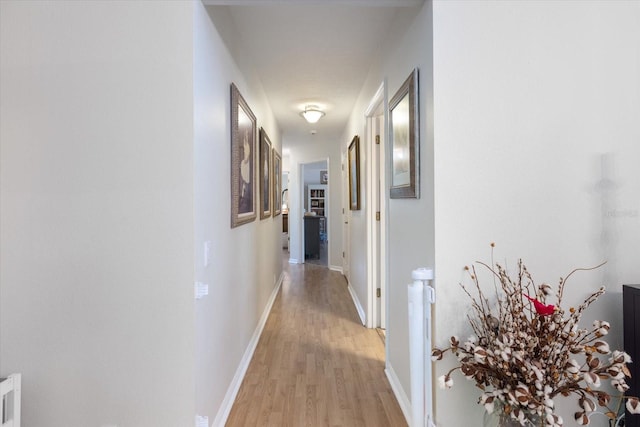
(405, 140)
(265, 175)
(354, 174)
(277, 183)
(243, 160)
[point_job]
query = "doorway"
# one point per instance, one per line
(346, 216)
(315, 208)
(377, 215)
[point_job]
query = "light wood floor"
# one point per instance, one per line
(315, 364)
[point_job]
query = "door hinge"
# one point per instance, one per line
(378, 292)
(342, 254)
(378, 216)
(377, 139)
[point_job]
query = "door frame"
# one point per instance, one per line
(377, 237)
(303, 197)
(346, 217)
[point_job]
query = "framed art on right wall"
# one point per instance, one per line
(354, 174)
(405, 140)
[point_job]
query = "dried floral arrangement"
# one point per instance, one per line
(526, 352)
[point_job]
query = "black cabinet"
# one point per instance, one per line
(631, 325)
(312, 236)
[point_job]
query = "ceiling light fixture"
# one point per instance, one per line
(312, 113)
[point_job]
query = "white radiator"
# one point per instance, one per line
(421, 296)
(10, 405)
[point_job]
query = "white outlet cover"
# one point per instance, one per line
(201, 289)
(202, 421)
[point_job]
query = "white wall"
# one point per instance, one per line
(410, 221)
(247, 260)
(530, 99)
(312, 177)
(312, 172)
(315, 148)
(114, 172)
(96, 221)
(356, 219)
(411, 230)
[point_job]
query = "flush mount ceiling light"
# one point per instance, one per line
(312, 113)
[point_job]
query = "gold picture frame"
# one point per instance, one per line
(277, 183)
(405, 140)
(243, 160)
(265, 174)
(354, 174)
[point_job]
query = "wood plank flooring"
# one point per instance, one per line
(315, 364)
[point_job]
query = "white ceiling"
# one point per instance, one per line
(311, 52)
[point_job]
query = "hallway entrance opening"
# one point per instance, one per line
(315, 208)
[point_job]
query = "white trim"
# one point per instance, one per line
(293, 261)
(376, 262)
(401, 396)
(336, 268)
(359, 307)
(345, 216)
(234, 387)
(375, 101)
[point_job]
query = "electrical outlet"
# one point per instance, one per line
(201, 289)
(202, 421)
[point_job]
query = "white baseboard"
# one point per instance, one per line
(234, 387)
(336, 268)
(293, 261)
(401, 396)
(356, 302)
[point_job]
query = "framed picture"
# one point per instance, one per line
(265, 175)
(277, 183)
(324, 177)
(404, 131)
(243, 160)
(354, 174)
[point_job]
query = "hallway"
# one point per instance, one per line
(315, 364)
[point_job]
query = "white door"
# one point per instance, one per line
(346, 214)
(378, 139)
(377, 211)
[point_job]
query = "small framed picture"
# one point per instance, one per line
(265, 175)
(324, 177)
(354, 174)
(277, 183)
(405, 160)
